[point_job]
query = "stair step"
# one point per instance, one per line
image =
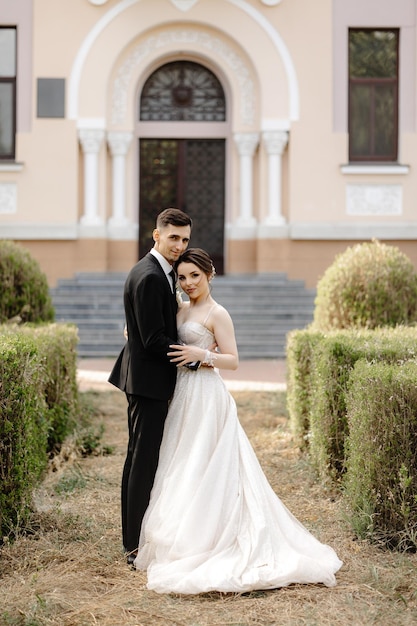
(264, 308)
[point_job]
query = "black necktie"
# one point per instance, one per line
(172, 274)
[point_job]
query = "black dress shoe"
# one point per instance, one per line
(131, 557)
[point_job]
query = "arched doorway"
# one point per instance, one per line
(182, 153)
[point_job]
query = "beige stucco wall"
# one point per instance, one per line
(280, 67)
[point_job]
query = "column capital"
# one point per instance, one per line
(91, 139)
(119, 142)
(275, 141)
(246, 143)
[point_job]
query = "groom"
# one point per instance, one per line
(143, 370)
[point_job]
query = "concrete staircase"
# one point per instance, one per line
(264, 307)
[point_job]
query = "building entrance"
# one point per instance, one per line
(178, 166)
(187, 174)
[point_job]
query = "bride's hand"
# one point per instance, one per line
(185, 354)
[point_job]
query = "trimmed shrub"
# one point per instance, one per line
(369, 285)
(23, 429)
(331, 364)
(39, 408)
(300, 350)
(24, 294)
(381, 478)
(57, 344)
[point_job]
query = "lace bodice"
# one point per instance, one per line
(196, 334)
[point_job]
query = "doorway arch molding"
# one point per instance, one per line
(195, 43)
(125, 21)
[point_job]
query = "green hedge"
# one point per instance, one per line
(301, 348)
(331, 358)
(23, 429)
(381, 478)
(24, 294)
(58, 346)
(39, 401)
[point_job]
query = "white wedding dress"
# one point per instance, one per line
(213, 521)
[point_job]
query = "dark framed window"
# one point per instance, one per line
(373, 94)
(7, 92)
(183, 91)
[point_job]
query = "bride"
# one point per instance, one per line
(213, 521)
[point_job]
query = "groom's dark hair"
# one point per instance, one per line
(176, 217)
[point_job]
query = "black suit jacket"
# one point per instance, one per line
(143, 367)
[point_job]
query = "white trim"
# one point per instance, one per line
(267, 231)
(373, 199)
(127, 232)
(184, 5)
(111, 14)
(294, 100)
(358, 231)
(87, 44)
(28, 231)
(8, 198)
(302, 230)
(11, 167)
(171, 130)
(275, 143)
(93, 123)
(275, 124)
(382, 170)
(240, 232)
(91, 231)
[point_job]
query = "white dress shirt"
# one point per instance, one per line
(165, 266)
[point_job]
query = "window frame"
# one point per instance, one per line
(373, 83)
(11, 80)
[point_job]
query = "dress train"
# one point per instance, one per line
(213, 521)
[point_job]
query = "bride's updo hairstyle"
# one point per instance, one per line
(200, 258)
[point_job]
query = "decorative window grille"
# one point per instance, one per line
(183, 91)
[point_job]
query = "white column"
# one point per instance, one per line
(119, 143)
(246, 144)
(275, 142)
(91, 140)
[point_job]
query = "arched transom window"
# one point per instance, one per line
(182, 91)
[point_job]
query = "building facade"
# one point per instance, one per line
(285, 128)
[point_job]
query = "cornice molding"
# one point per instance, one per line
(343, 231)
(34, 231)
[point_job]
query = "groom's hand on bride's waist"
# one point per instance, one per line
(188, 356)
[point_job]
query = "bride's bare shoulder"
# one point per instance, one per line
(220, 312)
(220, 315)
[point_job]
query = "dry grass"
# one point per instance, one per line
(70, 570)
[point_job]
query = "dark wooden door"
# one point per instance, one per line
(188, 174)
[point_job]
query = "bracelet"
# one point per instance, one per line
(209, 358)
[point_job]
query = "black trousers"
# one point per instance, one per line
(146, 418)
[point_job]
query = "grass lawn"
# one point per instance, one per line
(69, 569)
